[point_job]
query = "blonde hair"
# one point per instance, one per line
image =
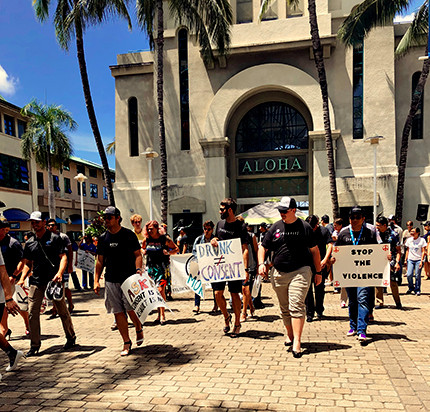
(135, 217)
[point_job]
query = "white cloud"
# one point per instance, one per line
(404, 19)
(7, 83)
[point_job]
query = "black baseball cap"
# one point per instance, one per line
(286, 203)
(112, 210)
(4, 223)
(356, 210)
(263, 224)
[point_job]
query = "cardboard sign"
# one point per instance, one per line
(142, 295)
(361, 266)
(86, 261)
(185, 274)
(223, 263)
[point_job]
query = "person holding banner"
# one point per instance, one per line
(230, 228)
(294, 247)
(119, 251)
(361, 299)
(157, 246)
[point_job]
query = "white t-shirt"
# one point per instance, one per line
(2, 299)
(415, 247)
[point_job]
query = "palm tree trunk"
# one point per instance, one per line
(91, 112)
(51, 197)
(161, 128)
(319, 63)
(416, 98)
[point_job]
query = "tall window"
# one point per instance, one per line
(80, 169)
(9, 125)
(417, 121)
(21, 127)
(357, 103)
(105, 196)
(183, 89)
(84, 188)
(92, 171)
(133, 126)
(67, 185)
(243, 11)
(40, 184)
(94, 191)
(13, 172)
(56, 183)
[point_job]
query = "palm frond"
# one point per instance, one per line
(41, 9)
(367, 15)
(145, 10)
(110, 148)
(417, 33)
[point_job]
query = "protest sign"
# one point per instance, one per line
(185, 274)
(142, 295)
(361, 266)
(222, 263)
(86, 261)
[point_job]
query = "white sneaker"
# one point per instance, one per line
(12, 365)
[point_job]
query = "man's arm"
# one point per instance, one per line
(63, 266)
(26, 271)
(11, 305)
(98, 273)
(262, 270)
(138, 260)
(327, 255)
(245, 255)
(69, 259)
(317, 263)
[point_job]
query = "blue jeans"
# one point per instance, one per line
(414, 266)
(90, 277)
(361, 302)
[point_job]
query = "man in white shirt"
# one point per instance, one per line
(415, 251)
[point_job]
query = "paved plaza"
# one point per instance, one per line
(189, 365)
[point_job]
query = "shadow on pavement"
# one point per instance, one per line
(386, 323)
(374, 337)
(58, 350)
(344, 318)
(317, 347)
(260, 334)
(267, 318)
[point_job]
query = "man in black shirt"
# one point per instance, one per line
(230, 228)
(46, 254)
(294, 249)
(361, 299)
(118, 250)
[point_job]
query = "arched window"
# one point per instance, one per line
(183, 89)
(417, 121)
(271, 126)
(133, 130)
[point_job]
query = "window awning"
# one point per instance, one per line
(16, 215)
(78, 221)
(45, 216)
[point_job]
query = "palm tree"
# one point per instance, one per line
(319, 64)
(372, 13)
(210, 20)
(45, 139)
(70, 20)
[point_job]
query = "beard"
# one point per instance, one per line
(224, 215)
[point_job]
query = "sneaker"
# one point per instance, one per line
(13, 361)
(309, 318)
(418, 293)
(351, 332)
(362, 337)
(343, 304)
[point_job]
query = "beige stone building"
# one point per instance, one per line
(24, 186)
(251, 125)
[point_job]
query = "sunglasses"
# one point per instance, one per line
(136, 221)
(222, 209)
(109, 217)
(356, 217)
(51, 225)
(207, 229)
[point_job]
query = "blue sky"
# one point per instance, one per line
(32, 65)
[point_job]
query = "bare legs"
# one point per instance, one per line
(161, 311)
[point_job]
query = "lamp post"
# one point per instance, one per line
(150, 154)
(81, 179)
(374, 141)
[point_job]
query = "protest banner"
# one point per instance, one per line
(185, 274)
(361, 266)
(142, 295)
(86, 261)
(222, 263)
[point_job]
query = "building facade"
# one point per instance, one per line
(24, 186)
(251, 126)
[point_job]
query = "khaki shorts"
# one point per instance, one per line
(115, 300)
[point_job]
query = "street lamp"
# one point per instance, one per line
(374, 141)
(150, 154)
(81, 179)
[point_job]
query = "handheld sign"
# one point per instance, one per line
(86, 261)
(220, 264)
(21, 297)
(142, 295)
(361, 266)
(185, 274)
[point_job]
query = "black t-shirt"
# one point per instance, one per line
(155, 251)
(183, 241)
(322, 238)
(118, 254)
(290, 244)
(225, 231)
(12, 251)
(45, 255)
(368, 236)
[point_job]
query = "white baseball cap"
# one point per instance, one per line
(36, 215)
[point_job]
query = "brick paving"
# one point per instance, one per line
(189, 365)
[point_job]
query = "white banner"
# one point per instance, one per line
(86, 261)
(361, 266)
(142, 295)
(221, 264)
(185, 274)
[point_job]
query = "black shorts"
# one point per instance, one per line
(234, 286)
(2, 306)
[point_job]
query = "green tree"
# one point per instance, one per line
(210, 21)
(71, 19)
(322, 78)
(45, 139)
(362, 19)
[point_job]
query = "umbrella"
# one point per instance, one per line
(266, 212)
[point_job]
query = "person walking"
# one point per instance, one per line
(87, 245)
(295, 249)
(230, 228)
(118, 250)
(47, 255)
(416, 250)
